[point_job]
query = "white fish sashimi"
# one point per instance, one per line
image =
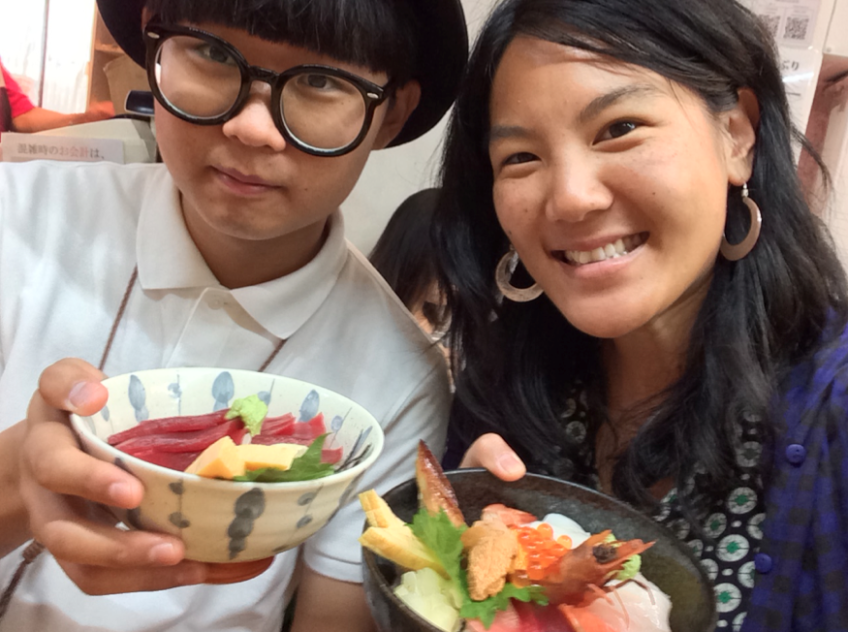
(563, 525)
(647, 610)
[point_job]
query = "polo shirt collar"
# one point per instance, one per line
(168, 259)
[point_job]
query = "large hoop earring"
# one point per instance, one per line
(503, 277)
(735, 252)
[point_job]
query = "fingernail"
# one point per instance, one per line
(510, 464)
(82, 393)
(163, 554)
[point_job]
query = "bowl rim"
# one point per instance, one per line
(369, 558)
(81, 429)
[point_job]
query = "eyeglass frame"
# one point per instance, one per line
(156, 33)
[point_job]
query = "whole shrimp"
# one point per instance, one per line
(588, 567)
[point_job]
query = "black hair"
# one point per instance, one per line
(377, 34)
(405, 256)
(761, 315)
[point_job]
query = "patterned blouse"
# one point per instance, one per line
(730, 535)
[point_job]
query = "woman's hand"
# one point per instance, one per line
(490, 451)
(63, 490)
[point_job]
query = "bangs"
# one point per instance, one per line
(375, 34)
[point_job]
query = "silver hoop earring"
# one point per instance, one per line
(735, 252)
(503, 278)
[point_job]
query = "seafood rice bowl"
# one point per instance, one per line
(572, 580)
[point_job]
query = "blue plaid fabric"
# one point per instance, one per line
(803, 560)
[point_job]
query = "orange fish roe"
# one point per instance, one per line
(541, 551)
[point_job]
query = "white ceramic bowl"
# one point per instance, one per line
(226, 521)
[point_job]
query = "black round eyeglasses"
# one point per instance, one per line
(203, 79)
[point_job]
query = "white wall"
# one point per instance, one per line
(21, 41)
(835, 148)
(69, 29)
(391, 175)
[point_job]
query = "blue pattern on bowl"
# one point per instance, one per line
(187, 506)
(249, 506)
(138, 398)
(223, 390)
(309, 407)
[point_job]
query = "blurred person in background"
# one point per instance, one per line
(18, 114)
(404, 256)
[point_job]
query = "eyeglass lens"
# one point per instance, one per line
(202, 80)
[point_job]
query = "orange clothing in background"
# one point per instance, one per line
(19, 103)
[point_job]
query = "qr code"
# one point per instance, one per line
(796, 28)
(771, 23)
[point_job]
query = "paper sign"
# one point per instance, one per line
(791, 22)
(800, 72)
(23, 147)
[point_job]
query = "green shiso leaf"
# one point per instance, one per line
(442, 537)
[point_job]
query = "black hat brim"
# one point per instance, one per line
(439, 66)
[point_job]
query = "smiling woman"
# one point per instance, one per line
(687, 352)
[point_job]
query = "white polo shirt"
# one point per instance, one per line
(70, 235)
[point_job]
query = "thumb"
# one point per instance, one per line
(491, 452)
(73, 385)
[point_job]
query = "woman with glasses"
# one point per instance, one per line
(230, 254)
(641, 300)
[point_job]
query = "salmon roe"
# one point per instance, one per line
(542, 551)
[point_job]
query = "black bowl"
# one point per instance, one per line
(668, 563)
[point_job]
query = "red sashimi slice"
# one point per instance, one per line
(331, 455)
(187, 423)
(281, 425)
(263, 439)
(524, 617)
(541, 618)
(184, 441)
(583, 620)
(174, 460)
(311, 429)
(282, 430)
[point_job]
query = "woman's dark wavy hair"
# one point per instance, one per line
(405, 256)
(376, 34)
(761, 314)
